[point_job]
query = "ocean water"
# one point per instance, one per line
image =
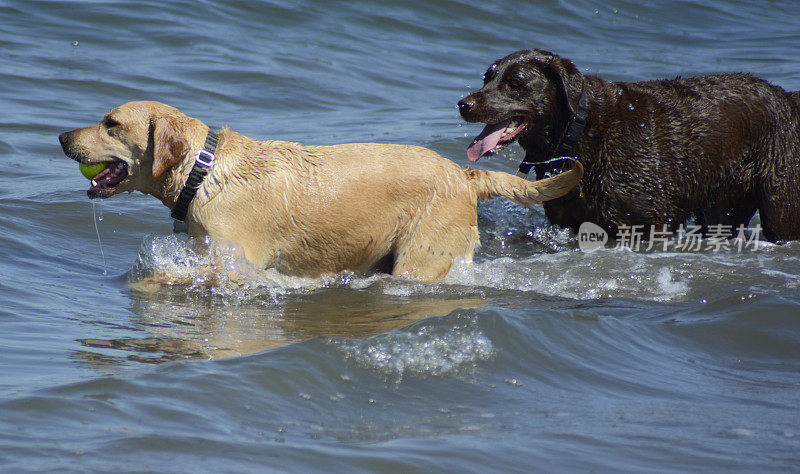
(118, 352)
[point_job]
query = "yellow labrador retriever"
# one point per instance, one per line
(305, 210)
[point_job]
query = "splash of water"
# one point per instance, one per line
(430, 348)
(217, 270)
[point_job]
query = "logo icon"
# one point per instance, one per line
(591, 237)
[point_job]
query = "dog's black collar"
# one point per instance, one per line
(202, 162)
(571, 136)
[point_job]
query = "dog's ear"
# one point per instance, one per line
(569, 80)
(169, 144)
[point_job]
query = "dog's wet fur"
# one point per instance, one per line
(305, 210)
(717, 147)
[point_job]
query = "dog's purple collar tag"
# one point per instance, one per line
(205, 158)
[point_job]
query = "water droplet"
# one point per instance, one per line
(97, 231)
(630, 106)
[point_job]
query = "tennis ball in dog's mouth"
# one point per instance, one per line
(90, 171)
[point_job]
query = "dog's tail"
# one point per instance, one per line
(495, 183)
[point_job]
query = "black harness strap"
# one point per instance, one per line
(202, 162)
(571, 137)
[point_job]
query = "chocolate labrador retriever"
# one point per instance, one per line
(655, 153)
(305, 210)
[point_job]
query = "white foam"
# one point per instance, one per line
(612, 273)
(605, 273)
(172, 260)
(429, 349)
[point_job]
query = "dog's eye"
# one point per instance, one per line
(108, 122)
(518, 77)
(516, 81)
(490, 73)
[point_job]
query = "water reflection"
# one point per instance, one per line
(188, 322)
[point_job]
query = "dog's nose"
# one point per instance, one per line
(466, 104)
(64, 139)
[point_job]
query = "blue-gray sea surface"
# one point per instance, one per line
(539, 357)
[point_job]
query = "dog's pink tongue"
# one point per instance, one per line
(487, 140)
